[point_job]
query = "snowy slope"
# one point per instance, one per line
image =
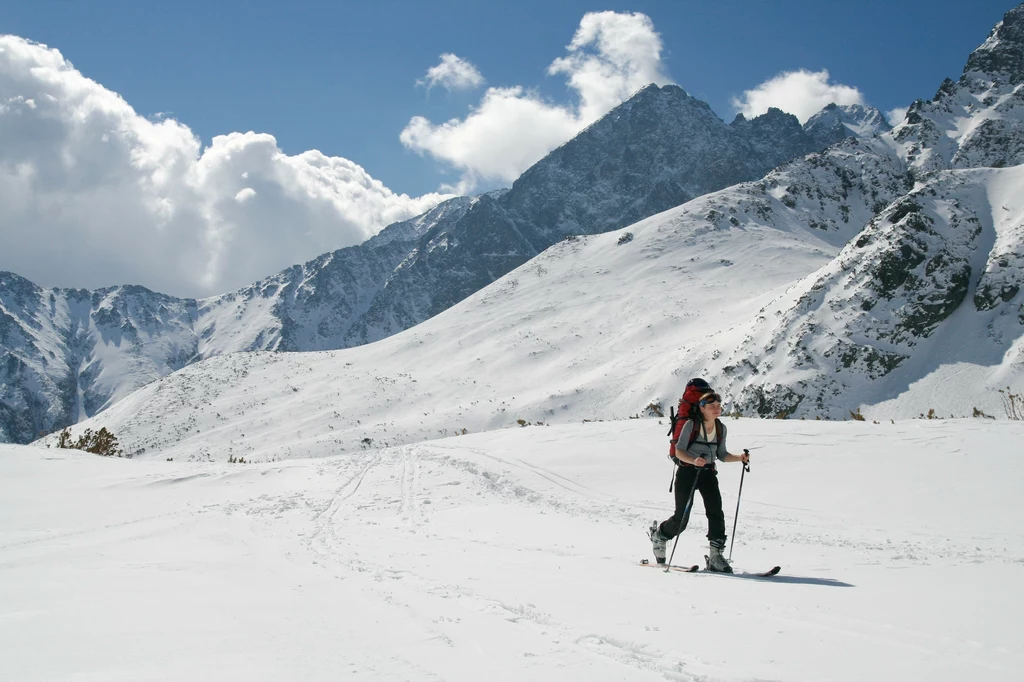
(313, 306)
(512, 555)
(655, 151)
(845, 281)
(660, 148)
(920, 312)
(67, 354)
(915, 314)
(595, 328)
(978, 120)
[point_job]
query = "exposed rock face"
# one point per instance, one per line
(935, 277)
(66, 354)
(658, 150)
(837, 122)
(978, 120)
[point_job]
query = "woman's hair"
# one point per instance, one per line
(695, 413)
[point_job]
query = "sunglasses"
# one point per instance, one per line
(711, 400)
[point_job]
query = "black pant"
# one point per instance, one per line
(707, 484)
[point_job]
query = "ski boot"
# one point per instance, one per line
(716, 562)
(657, 542)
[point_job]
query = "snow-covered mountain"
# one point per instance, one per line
(68, 354)
(977, 121)
(847, 280)
(923, 310)
(838, 121)
(593, 328)
(659, 149)
(314, 306)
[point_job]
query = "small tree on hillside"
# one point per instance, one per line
(100, 442)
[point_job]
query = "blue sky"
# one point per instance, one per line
(340, 77)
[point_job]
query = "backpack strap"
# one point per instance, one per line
(678, 420)
(693, 435)
(719, 427)
(676, 429)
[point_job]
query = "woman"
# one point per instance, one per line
(697, 465)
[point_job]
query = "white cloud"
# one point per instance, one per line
(93, 194)
(802, 93)
(453, 73)
(509, 131)
(896, 116)
(627, 57)
(610, 57)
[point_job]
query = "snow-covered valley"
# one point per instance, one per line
(513, 555)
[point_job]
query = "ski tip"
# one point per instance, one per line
(775, 570)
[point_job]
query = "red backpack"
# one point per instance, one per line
(695, 388)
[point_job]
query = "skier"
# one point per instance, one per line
(696, 463)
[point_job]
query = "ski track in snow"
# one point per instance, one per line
(511, 555)
(400, 585)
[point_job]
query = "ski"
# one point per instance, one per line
(679, 569)
(697, 569)
(749, 574)
(774, 570)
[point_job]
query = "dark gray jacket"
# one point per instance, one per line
(701, 447)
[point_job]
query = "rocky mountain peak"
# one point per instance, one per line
(669, 101)
(978, 121)
(839, 121)
(1001, 56)
(774, 118)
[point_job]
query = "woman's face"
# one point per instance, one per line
(712, 410)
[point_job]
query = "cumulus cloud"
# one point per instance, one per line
(93, 194)
(802, 93)
(509, 131)
(611, 56)
(453, 73)
(896, 116)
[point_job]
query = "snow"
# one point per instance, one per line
(512, 554)
(362, 538)
(598, 329)
(590, 329)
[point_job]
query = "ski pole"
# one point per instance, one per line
(736, 518)
(686, 515)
